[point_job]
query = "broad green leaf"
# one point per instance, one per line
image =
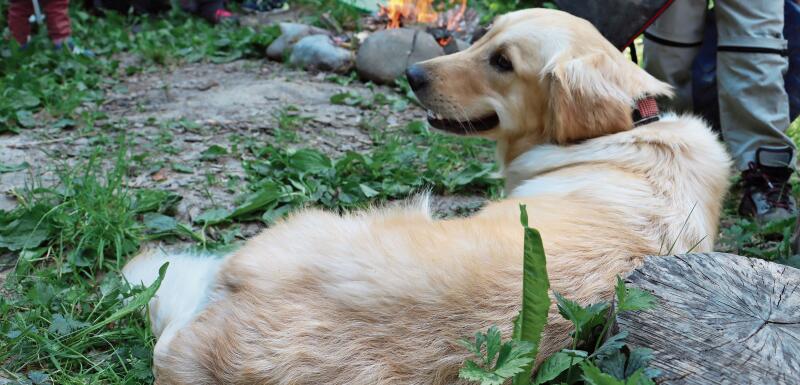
(263, 199)
(309, 161)
(159, 223)
(630, 299)
(271, 216)
(27, 228)
(25, 118)
(213, 216)
(368, 191)
(535, 298)
(554, 365)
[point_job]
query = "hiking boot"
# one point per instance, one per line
(767, 193)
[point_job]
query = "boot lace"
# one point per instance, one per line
(776, 190)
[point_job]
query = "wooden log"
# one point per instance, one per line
(720, 319)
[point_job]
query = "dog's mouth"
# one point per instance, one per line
(466, 126)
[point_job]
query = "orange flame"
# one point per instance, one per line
(400, 12)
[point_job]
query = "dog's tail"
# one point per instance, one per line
(183, 293)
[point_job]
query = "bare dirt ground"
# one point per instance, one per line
(171, 117)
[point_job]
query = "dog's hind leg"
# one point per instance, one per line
(184, 292)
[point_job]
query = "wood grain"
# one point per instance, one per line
(721, 319)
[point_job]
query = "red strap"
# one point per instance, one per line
(646, 25)
(648, 107)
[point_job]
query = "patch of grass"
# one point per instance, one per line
(88, 221)
(75, 329)
(66, 315)
(41, 86)
(401, 163)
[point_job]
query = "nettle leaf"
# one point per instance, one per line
(638, 360)
(613, 363)
(556, 364)
(583, 318)
(65, 325)
(38, 377)
(631, 299)
(499, 361)
(612, 344)
(640, 377)
(535, 298)
(593, 376)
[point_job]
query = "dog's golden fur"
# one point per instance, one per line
(382, 296)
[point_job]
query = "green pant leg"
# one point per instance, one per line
(670, 46)
(754, 107)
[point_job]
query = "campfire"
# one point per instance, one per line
(445, 23)
(404, 32)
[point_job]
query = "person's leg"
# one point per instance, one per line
(754, 107)
(671, 44)
(58, 25)
(18, 13)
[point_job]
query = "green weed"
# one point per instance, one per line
(75, 329)
(608, 361)
(89, 220)
(400, 164)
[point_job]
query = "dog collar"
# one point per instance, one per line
(646, 111)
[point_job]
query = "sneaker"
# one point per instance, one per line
(72, 48)
(767, 194)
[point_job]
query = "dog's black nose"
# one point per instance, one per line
(417, 77)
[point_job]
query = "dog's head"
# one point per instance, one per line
(537, 76)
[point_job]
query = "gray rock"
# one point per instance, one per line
(318, 52)
(385, 55)
(291, 33)
(462, 44)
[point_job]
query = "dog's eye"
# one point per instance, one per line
(501, 62)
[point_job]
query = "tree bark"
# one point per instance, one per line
(720, 319)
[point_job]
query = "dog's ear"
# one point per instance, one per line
(593, 95)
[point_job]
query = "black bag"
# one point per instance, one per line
(620, 21)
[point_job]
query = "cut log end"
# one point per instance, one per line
(720, 319)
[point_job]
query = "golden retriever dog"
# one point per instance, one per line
(382, 296)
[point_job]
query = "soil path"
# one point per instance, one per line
(171, 117)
